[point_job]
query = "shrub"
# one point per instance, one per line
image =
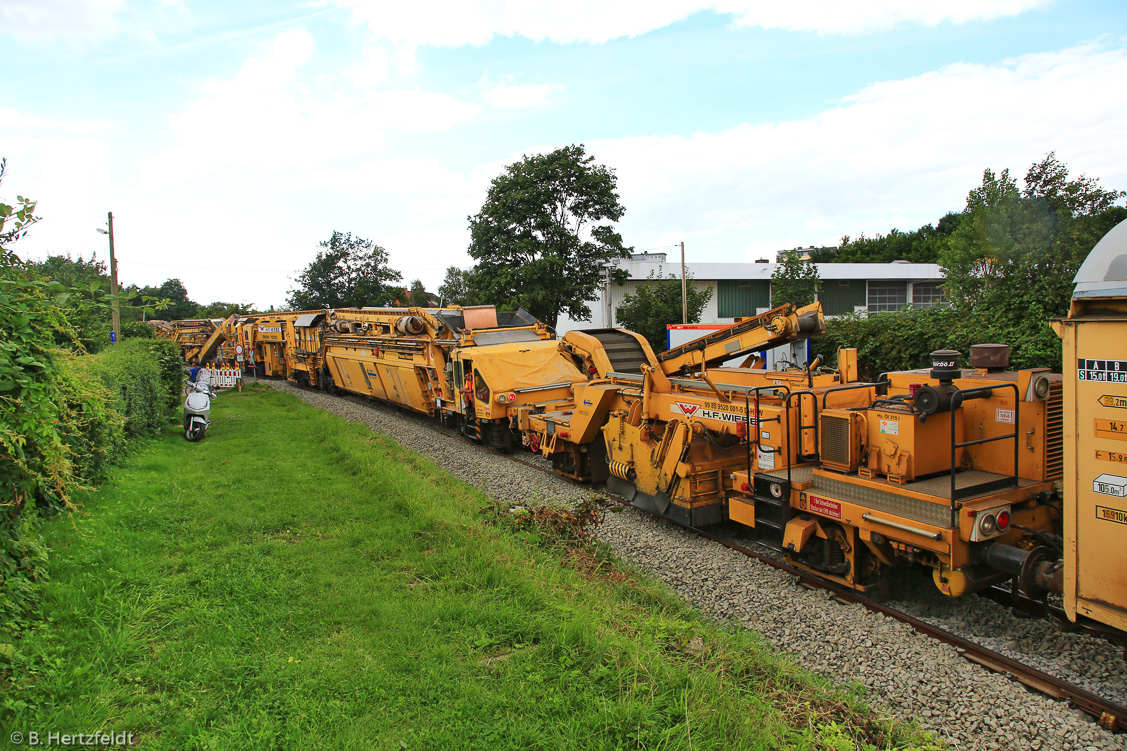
(143, 377)
(888, 341)
(904, 340)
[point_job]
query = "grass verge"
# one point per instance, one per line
(295, 581)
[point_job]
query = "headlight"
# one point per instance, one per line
(987, 524)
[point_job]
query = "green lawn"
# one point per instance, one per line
(295, 581)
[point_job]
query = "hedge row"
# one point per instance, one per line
(65, 419)
(903, 340)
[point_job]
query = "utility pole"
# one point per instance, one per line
(116, 312)
(684, 289)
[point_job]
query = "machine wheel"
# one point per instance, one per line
(193, 434)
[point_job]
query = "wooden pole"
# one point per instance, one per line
(684, 288)
(116, 319)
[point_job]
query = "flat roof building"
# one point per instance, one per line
(744, 289)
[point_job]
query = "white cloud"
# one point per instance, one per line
(460, 22)
(518, 97)
(12, 120)
(43, 20)
(898, 154)
(373, 69)
(268, 118)
(835, 17)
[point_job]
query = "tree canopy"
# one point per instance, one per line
(350, 272)
(919, 246)
(794, 280)
(1013, 257)
(545, 234)
(657, 304)
(417, 296)
(1009, 259)
(454, 289)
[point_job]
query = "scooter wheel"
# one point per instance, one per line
(193, 434)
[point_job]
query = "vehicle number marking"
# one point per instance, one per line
(1113, 429)
(269, 329)
(1109, 400)
(1111, 456)
(824, 506)
(1112, 485)
(1111, 514)
(712, 414)
(1104, 371)
(1004, 415)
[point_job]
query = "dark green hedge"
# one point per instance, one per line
(903, 340)
(143, 378)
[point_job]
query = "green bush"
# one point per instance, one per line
(93, 431)
(888, 341)
(143, 377)
(904, 340)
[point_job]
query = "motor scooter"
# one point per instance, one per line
(197, 409)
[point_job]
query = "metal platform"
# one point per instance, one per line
(934, 512)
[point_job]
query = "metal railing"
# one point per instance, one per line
(958, 493)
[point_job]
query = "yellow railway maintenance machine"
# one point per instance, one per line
(672, 444)
(472, 367)
(1095, 403)
(952, 469)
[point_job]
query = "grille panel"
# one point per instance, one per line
(1054, 432)
(834, 440)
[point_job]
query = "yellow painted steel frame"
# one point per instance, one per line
(423, 365)
(1095, 485)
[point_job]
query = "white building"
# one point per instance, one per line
(744, 289)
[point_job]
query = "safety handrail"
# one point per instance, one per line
(803, 428)
(852, 386)
(957, 399)
(747, 420)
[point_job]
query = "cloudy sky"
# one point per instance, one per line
(230, 138)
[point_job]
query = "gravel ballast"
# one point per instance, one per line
(906, 674)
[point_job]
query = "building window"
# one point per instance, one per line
(887, 296)
(927, 294)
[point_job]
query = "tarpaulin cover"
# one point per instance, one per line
(507, 367)
(482, 338)
(308, 319)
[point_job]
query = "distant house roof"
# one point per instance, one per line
(640, 269)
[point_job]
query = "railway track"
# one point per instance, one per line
(1109, 714)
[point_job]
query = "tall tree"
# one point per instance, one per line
(794, 280)
(1011, 262)
(221, 309)
(179, 305)
(656, 304)
(920, 246)
(349, 273)
(417, 296)
(545, 233)
(454, 289)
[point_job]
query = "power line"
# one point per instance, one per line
(202, 268)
